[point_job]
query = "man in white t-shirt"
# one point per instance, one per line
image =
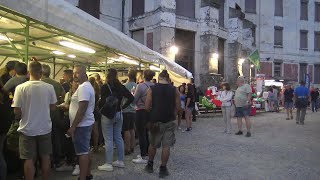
(82, 119)
(32, 103)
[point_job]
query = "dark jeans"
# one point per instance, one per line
(314, 105)
(142, 118)
(3, 164)
(301, 113)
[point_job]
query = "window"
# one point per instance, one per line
(317, 41)
(137, 7)
(303, 39)
(278, 8)
(278, 31)
(317, 11)
(302, 71)
(138, 35)
(185, 8)
(221, 13)
(250, 6)
(91, 7)
(254, 35)
(316, 75)
(304, 10)
(277, 69)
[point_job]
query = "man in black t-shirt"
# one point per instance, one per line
(288, 100)
(163, 100)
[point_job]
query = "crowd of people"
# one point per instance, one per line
(61, 124)
(57, 125)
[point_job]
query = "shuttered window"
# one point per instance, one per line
(185, 8)
(304, 10)
(317, 11)
(138, 35)
(221, 13)
(92, 7)
(316, 74)
(277, 69)
(137, 7)
(278, 32)
(250, 6)
(317, 41)
(278, 8)
(303, 39)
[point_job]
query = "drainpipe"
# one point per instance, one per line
(122, 15)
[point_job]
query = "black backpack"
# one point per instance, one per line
(109, 109)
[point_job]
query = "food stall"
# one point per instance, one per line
(61, 35)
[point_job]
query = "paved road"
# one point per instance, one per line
(278, 149)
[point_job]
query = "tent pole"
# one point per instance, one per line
(54, 67)
(26, 32)
(59, 71)
(105, 66)
(3, 60)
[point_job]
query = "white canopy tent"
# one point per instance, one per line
(63, 16)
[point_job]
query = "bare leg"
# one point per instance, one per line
(152, 152)
(179, 118)
(239, 120)
(248, 123)
(45, 167)
(28, 169)
(165, 156)
(132, 139)
(89, 165)
(84, 166)
(127, 141)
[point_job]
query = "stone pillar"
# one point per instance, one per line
(164, 33)
(234, 48)
(231, 63)
(209, 28)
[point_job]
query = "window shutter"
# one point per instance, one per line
(304, 10)
(317, 11)
(92, 7)
(185, 8)
(303, 39)
(278, 36)
(278, 9)
(250, 6)
(317, 41)
(137, 7)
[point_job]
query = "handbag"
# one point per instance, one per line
(109, 109)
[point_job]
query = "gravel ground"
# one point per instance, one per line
(278, 149)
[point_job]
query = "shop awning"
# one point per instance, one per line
(49, 27)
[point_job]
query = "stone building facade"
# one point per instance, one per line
(211, 35)
(288, 36)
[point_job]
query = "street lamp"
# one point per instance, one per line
(241, 61)
(174, 50)
(215, 55)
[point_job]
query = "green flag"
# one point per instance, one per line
(255, 59)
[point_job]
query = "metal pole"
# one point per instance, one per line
(3, 60)
(105, 67)
(26, 54)
(54, 67)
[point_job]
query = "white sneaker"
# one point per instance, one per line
(76, 171)
(140, 160)
(119, 164)
(64, 167)
(106, 167)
